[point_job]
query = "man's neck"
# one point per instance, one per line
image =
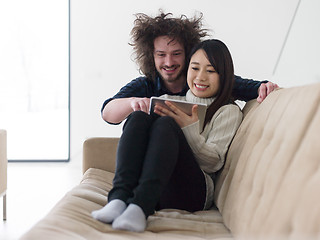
(176, 86)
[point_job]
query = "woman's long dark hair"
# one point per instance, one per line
(220, 58)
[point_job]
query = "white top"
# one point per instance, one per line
(211, 145)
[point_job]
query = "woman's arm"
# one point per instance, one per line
(211, 146)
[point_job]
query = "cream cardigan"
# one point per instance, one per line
(211, 145)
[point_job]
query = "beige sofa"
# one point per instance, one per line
(269, 187)
(3, 170)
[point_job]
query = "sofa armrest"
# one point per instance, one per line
(3, 161)
(100, 153)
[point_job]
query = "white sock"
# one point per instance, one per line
(132, 219)
(109, 212)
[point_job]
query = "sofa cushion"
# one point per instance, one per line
(71, 218)
(270, 184)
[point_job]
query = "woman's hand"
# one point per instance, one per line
(178, 115)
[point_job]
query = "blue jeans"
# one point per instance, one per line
(155, 167)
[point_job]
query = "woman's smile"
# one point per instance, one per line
(201, 87)
(202, 79)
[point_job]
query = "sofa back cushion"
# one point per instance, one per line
(270, 185)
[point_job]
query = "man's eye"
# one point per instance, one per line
(160, 54)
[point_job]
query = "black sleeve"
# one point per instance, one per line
(245, 89)
(136, 88)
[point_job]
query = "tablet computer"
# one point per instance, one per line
(183, 105)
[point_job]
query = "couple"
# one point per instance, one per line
(163, 160)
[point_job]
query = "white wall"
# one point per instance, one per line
(300, 62)
(254, 31)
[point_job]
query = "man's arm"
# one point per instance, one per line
(116, 110)
(132, 97)
(248, 89)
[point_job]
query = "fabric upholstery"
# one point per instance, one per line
(100, 153)
(3, 162)
(270, 185)
(269, 188)
(71, 219)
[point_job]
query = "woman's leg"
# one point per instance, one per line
(186, 189)
(130, 155)
(131, 152)
(168, 164)
(157, 167)
(170, 176)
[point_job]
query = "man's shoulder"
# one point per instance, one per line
(138, 87)
(142, 79)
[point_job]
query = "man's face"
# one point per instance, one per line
(169, 58)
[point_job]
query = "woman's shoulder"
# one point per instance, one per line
(231, 108)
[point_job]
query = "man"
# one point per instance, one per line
(162, 45)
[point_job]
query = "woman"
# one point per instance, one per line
(163, 160)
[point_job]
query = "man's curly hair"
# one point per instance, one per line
(187, 31)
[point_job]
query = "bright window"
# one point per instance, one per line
(34, 78)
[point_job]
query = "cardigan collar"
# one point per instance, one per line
(190, 97)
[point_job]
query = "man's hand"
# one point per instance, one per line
(265, 89)
(140, 104)
(119, 109)
(178, 115)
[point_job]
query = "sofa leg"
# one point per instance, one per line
(5, 207)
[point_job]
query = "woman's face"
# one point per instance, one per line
(202, 78)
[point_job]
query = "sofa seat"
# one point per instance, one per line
(71, 218)
(268, 189)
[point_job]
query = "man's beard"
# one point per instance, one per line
(172, 80)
